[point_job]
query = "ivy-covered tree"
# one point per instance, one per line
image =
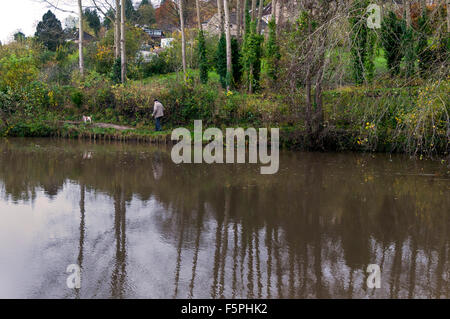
(409, 49)
(423, 50)
(221, 60)
(203, 62)
(363, 42)
(392, 30)
(235, 59)
(272, 52)
(49, 31)
(251, 57)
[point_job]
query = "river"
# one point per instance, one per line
(140, 226)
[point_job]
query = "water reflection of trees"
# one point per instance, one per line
(309, 231)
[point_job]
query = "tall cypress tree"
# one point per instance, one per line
(203, 64)
(392, 30)
(272, 52)
(221, 60)
(49, 31)
(362, 46)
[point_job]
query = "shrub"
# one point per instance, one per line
(77, 97)
(17, 71)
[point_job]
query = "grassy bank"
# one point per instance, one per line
(411, 119)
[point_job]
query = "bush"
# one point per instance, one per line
(17, 71)
(77, 97)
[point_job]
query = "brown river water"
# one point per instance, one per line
(140, 226)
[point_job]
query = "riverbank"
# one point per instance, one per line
(291, 138)
(378, 118)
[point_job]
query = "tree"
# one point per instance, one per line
(221, 60)
(117, 28)
(448, 15)
(272, 52)
(251, 57)
(19, 36)
(220, 14)
(80, 38)
(362, 43)
(253, 10)
(235, 61)
(228, 44)
(313, 37)
(183, 39)
(203, 63)
(423, 51)
(260, 10)
(49, 31)
(123, 56)
(199, 21)
(145, 14)
(392, 30)
(93, 20)
(130, 12)
(407, 8)
(238, 17)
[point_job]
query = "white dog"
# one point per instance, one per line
(87, 119)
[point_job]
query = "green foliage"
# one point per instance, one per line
(203, 63)
(145, 15)
(49, 31)
(251, 56)
(77, 97)
(362, 45)
(130, 12)
(19, 36)
(423, 49)
(272, 53)
(392, 30)
(235, 61)
(116, 73)
(17, 71)
(221, 60)
(409, 49)
(93, 19)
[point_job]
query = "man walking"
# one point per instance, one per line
(158, 113)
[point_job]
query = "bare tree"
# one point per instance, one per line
(183, 39)
(260, 10)
(123, 56)
(228, 41)
(253, 10)
(197, 4)
(220, 13)
(117, 31)
(80, 37)
(104, 7)
(407, 9)
(238, 17)
(57, 5)
(448, 16)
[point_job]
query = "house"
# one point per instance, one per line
(154, 34)
(73, 36)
